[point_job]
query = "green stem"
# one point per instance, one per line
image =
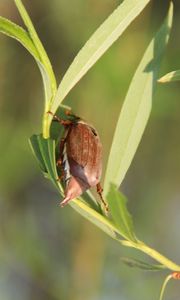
(46, 121)
(153, 253)
(164, 286)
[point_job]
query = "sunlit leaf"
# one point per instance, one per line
(96, 218)
(32, 43)
(42, 53)
(169, 77)
(120, 214)
(17, 32)
(97, 45)
(47, 73)
(137, 107)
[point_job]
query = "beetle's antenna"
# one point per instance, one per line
(55, 118)
(59, 120)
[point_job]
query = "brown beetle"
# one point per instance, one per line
(80, 158)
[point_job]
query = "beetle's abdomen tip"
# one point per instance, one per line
(65, 201)
(74, 189)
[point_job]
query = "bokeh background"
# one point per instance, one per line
(48, 253)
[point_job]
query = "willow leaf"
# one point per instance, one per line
(136, 263)
(120, 214)
(34, 36)
(169, 77)
(17, 32)
(96, 46)
(137, 107)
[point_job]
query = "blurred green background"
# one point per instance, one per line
(48, 253)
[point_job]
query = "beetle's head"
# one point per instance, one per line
(75, 187)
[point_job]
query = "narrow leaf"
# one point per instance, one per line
(14, 31)
(96, 218)
(49, 80)
(44, 145)
(34, 144)
(136, 263)
(169, 77)
(97, 45)
(47, 148)
(44, 150)
(137, 107)
(42, 53)
(120, 214)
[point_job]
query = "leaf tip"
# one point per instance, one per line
(162, 80)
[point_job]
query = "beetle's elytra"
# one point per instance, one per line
(80, 158)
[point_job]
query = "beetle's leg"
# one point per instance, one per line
(59, 120)
(59, 162)
(68, 112)
(61, 149)
(99, 191)
(60, 178)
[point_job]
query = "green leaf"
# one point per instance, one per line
(34, 144)
(136, 263)
(96, 218)
(120, 214)
(44, 151)
(47, 146)
(137, 107)
(169, 77)
(42, 53)
(97, 45)
(32, 43)
(14, 31)
(47, 73)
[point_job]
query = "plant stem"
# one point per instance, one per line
(153, 253)
(45, 126)
(46, 121)
(164, 286)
